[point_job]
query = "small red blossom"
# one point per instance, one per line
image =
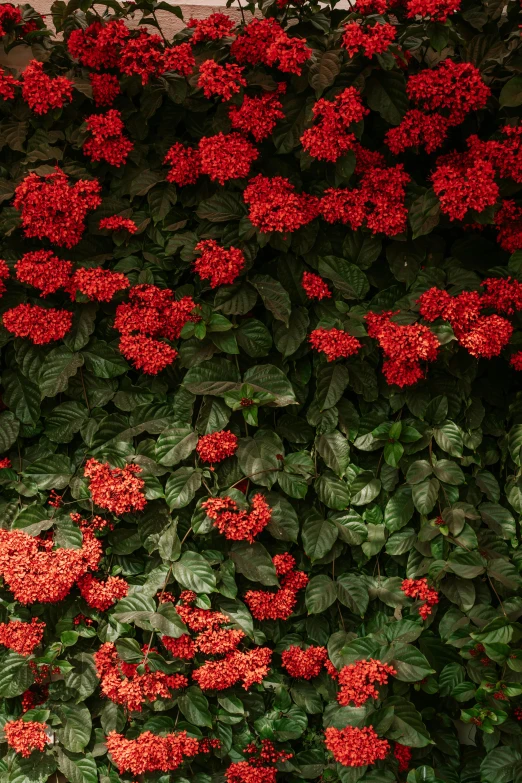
(418, 129)
(329, 138)
(516, 361)
(217, 446)
(435, 10)
(117, 489)
(304, 664)
(357, 681)
(22, 637)
(508, 221)
(418, 589)
(26, 736)
(224, 81)
(5, 462)
(146, 353)
(404, 347)
(118, 223)
(43, 93)
(141, 56)
(455, 88)
(154, 311)
(315, 287)
(7, 85)
(43, 270)
(212, 28)
(265, 605)
(9, 17)
(219, 641)
(40, 325)
(236, 524)
(353, 747)
(334, 343)
(178, 59)
(98, 284)
(183, 647)
(105, 88)
(98, 45)
(217, 264)
(462, 182)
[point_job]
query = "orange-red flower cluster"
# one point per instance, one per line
(217, 446)
(41, 326)
(419, 589)
(26, 736)
(107, 141)
(150, 752)
(237, 524)
(334, 343)
(304, 664)
(118, 223)
(117, 489)
(226, 156)
(121, 683)
(102, 595)
(265, 41)
(43, 270)
(183, 647)
(329, 138)
(97, 283)
(22, 637)
(217, 264)
(43, 93)
(224, 81)
(255, 770)
(403, 755)
(353, 747)
(244, 667)
(212, 28)
(275, 206)
(258, 115)
(369, 39)
(315, 287)
(54, 209)
(357, 681)
(279, 605)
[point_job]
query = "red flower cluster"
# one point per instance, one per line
(418, 588)
(35, 572)
(315, 287)
(516, 361)
(105, 88)
(329, 139)
(7, 84)
(353, 747)
(9, 17)
(505, 155)
(213, 28)
(117, 489)
(258, 115)
(370, 39)
(334, 343)
(97, 283)
(185, 164)
(218, 641)
(265, 41)
(121, 683)
(226, 156)
(304, 664)
(454, 88)
(43, 270)
(4, 274)
(436, 10)
(463, 182)
(217, 264)
(142, 56)
(149, 752)
(221, 80)
(5, 462)
(98, 46)
(483, 336)
(34, 696)
(22, 637)
(43, 93)
(117, 223)
(26, 736)
(275, 206)
(178, 59)
(236, 524)
(403, 755)
(279, 605)
(183, 647)
(508, 220)
(217, 446)
(146, 354)
(255, 770)
(102, 595)
(245, 667)
(357, 681)
(404, 347)
(107, 141)
(41, 326)
(54, 209)
(418, 129)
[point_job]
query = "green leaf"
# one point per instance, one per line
(274, 296)
(257, 457)
(193, 572)
(332, 380)
(65, 421)
(449, 472)
(318, 534)
(410, 663)
(9, 429)
(254, 562)
(215, 377)
(22, 396)
(347, 278)
(424, 214)
(407, 727)
(60, 365)
(449, 438)
(222, 207)
(194, 706)
(335, 450)
(52, 472)
(288, 337)
(425, 495)
(386, 93)
(254, 338)
(82, 327)
(15, 675)
(103, 360)
(511, 93)
(268, 378)
(76, 726)
(320, 594)
(353, 593)
(175, 444)
(499, 764)
(181, 487)
(332, 491)
(77, 768)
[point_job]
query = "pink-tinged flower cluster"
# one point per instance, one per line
(185, 164)
(118, 223)
(217, 264)
(150, 752)
(404, 347)
(420, 590)
(38, 324)
(98, 284)
(217, 446)
(334, 343)
(353, 747)
(22, 637)
(258, 115)
(54, 209)
(119, 490)
(235, 523)
(107, 141)
(212, 28)
(43, 270)
(264, 41)
(279, 605)
(357, 681)
(105, 88)
(368, 39)
(329, 138)
(222, 81)
(102, 595)
(43, 93)
(275, 206)
(226, 156)
(26, 736)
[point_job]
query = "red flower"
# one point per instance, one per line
(357, 681)
(185, 164)
(43, 270)
(304, 664)
(217, 264)
(43, 93)
(462, 182)
(22, 637)
(265, 41)
(26, 736)
(329, 139)
(418, 588)
(98, 46)
(5, 462)
(107, 142)
(7, 84)
(154, 311)
(221, 80)
(279, 605)
(436, 10)
(404, 347)
(41, 326)
(418, 130)
(217, 446)
(97, 283)
(403, 755)
(371, 39)
(315, 287)
(118, 223)
(117, 489)
(245, 667)
(146, 353)
(141, 56)
(226, 156)
(508, 220)
(259, 115)
(236, 524)
(334, 343)
(53, 209)
(457, 88)
(178, 59)
(102, 595)
(275, 206)
(9, 17)
(183, 647)
(150, 753)
(105, 88)
(353, 747)
(212, 28)
(516, 361)
(219, 641)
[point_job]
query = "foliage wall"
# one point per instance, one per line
(261, 421)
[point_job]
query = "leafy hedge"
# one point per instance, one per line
(261, 428)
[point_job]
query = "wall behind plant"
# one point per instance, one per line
(261, 426)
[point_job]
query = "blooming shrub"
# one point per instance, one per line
(260, 397)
